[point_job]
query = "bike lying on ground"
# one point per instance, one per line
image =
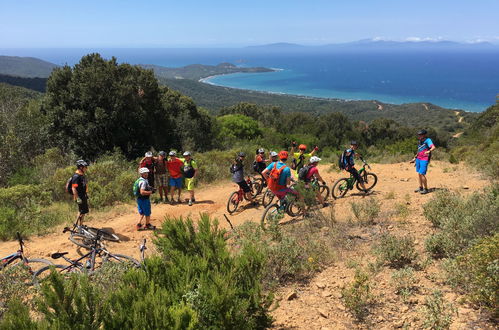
(341, 186)
(256, 186)
(18, 258)
(281, 211)
(83, 235)
(86, 263)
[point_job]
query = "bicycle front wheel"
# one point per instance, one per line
(120, 259)
(81, 240)
(324, 191)
(257, 187)
(233, 202)
(294, 209)
(272, 214)
(267, 198)
(370, 180)
(104, 234)
(340, 188)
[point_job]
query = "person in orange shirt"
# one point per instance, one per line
(175, 168)
(79, 189)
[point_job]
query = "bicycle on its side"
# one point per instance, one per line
(18, 258)
(83, 235)
(235, 198)
(342, 185)
(281, 211)
(88, 262)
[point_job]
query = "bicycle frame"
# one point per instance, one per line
(5, 261)
(351, 180)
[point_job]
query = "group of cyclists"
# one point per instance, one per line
(159, 173)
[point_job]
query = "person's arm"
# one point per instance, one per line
(145, 192)
(293, 145)
(288, 181)
(195, 167)
(431, 149)
(314, 150)
(265, 173)
(319, 178)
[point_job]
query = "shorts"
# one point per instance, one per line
(83, 207)
(355, 174)
(176, 182)
(161, 180)
(244, 186)
(144, 206)
(190, 183)
(421, 166)
(282, 193)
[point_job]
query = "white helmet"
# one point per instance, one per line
(143, 170)
(148, 154)
(314, 159)
(187, 153)
(273, 154)
(172, 153)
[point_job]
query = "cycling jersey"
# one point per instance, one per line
(423, 146)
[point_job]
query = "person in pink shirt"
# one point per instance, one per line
(310, 172)
(422, 160)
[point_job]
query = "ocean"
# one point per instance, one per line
(467, 79)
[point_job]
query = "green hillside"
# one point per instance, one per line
(36, 84)
(25, 66)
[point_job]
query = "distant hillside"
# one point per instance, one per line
(198, 71)
(415, 114)
(36, 84)
(25, 67)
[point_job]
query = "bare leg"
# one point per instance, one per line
(148, 219)
(172, 192)
(160, 189)
(423, 182)
(320, 198)
(192, 194)
(140, 219)
(179, 192)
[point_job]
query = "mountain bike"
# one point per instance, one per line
(281, 211)
(18, 258)
(237, 197)
(268, 196)
(81, 265)
(83, 235)
(342, 185)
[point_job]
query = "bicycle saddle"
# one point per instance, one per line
(57, 255)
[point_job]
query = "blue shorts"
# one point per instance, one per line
(175, 182)
(421, 166)
(144, 206)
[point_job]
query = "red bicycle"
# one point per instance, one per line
(256, 186)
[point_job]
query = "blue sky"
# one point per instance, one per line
(220, 23)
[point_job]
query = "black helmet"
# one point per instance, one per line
(354, 143)
(422, 132)
(241, 154)
(81, 163)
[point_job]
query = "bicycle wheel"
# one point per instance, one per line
(120, 259)
(272, 214)
(370, 180)
(267, 198)
(294, 209)
(257, 187)
(81, 240)
(324, 191)
(233, 202)
(104, 234)
(340, 188)
(43, 273)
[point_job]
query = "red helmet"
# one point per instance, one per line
(302, 147)
(283, 154)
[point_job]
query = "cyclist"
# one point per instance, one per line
(300, 158)
(311, 172)
(149, 162)
(190, 173)
(80, 189)
(260, 163)
(281, 187)
(175, 169)
(237, 170)
(273, 156)
(422, 159)
(161, 176)
(143, 201)
(349, 163)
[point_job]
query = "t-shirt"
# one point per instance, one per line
(160, 166)
(301, 159)
(238, 172)
(424, 145)
(189, 167)
(349, 158)
(260, 163)
(311, 172)
(175, 167)
(80, 183)
(149, 163)
(144, 185)
(285, 174)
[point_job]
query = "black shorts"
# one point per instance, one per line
(83, 207)
(244, 186)
(355, 174)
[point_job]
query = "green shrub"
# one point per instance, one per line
(397, 252)
(441, 207)
(405, 282)
(15, 286)
(357, 296)
(437, 315)
(366, 211)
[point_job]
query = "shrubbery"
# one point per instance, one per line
(397, 252)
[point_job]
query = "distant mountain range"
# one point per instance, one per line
(25, 67)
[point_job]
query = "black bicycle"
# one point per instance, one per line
(18, 258)
(343, 185)
(83, 235)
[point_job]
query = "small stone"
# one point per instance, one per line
(320, 285)
(404, 309)
(326, 294)
(465, 187)
(323, 313)
(291, 295)
(325, 229)
(380, 319)
(341, 308)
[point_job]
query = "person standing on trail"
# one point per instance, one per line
(79, 188)
(422, 160)
(175, 169)
(143, 192)
(149, 162)
(161, 176)
(190, 173)
(300, 158)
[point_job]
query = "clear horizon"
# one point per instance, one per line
(227, 24)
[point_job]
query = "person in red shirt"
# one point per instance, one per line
(312, 177)
(175, 168)
(149, 162)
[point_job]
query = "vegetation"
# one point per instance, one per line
(366, 211)
(36, 84)
(397, 252)
(405, 282)
(436, 314)
(25, 67)
(357, 297)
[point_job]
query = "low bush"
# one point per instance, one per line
(15, 286)
(357, 296)
(405, 282)
(366, 211)
(436, 314)
(397, 252)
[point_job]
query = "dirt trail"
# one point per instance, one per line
(398, 180)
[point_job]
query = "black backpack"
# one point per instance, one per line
(69, 186)
(303, 172)
(256, 168)
(342, 160)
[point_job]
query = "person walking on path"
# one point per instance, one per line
(161, 176)
(144, 192)
(190, 173)
(422, 160)
(149, 162)
(79, 188)
(174, 166)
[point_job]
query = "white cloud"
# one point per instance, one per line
(421, 39)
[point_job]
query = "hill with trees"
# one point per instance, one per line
(25, 67)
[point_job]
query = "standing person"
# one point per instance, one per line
(190, 173)
(175, 169)
(237, 170)
(149, 162)
(300, 158)
(422, 159)
(143, 192)
(348, 163)
(79, 188)
(161, 176)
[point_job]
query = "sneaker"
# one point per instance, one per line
(150, 227)
(326, 204)
(138, 226)
(424, 191)
(179, 201)
(172, 202)
(190, 202)
(194, 200)
(420, 189)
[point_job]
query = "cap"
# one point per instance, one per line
(143, 170)
(81, 162)
(273, 154)
(241, 154)
(186, 153)
(148, 154)
(354, 143)
(422, 132)
(283, 154)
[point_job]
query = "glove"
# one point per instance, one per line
(324, 183)
(316, 148)
(78, 201)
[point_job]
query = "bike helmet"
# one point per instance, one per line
(314, 159)
(187, 153)
(302, 147)
(354, 143)
(172, 153)
(143, 170)
(261, 151)
(241, 154)
(422, 132)
(81, 163)
(162, 153)
(148, 154)
(273, 154)
(283, 155)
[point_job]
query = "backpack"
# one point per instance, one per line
(256, 168)
(342, 160)
(188, 170)
(293, 164)
(303, 172)
(69, 186)
(136, 188)
(274, 175)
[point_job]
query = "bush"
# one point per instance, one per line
(366, 211)
(357, 296)
(404, 281)
(436, 313)
(394, 251)
(15, 284)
